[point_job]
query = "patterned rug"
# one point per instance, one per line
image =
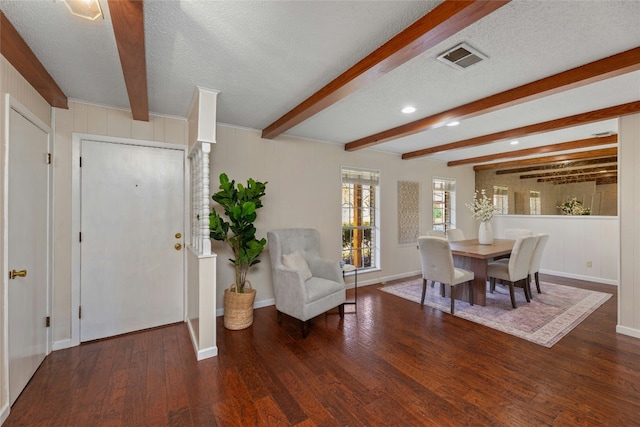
(549, 317)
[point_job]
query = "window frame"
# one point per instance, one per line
(366, 182)
(448, 199)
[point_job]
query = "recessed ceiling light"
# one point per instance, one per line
(453, 123)
(409, 110)
(514, 142)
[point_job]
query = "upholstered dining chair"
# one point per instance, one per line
(536, 259)
(437, 266)
(515, 269)
(436, 233)
(304, 284)
(514, 233)
(455, 234)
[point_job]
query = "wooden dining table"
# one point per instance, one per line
(471, 255)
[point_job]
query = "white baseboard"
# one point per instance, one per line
(256, 304)
(206, 353)
(581, 277)
(271, 301)
(625, 330)
(4, 414)
(201, 353)
(62, 344)
(385, 279)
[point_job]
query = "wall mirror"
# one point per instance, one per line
(587, 185)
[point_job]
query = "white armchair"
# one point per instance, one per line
(304, 284)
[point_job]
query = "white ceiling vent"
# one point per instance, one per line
(461, 56)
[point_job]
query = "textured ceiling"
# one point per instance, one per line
(267, 57)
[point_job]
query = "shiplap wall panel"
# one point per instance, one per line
(142, 130)
(17, 86)
(96, 120)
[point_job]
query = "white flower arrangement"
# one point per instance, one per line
(574, 207)
(482, 208)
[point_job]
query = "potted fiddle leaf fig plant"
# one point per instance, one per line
(240, 204)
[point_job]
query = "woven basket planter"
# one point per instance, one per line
(238, 308)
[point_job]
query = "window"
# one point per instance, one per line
(501, 199)
(444, 193)
(534, 203)
(360, 224)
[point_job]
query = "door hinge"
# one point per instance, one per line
(48, 158)
(80, 237)
(79, 312)
(80, 161)
(47, 321)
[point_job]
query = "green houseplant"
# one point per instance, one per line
(240, 204)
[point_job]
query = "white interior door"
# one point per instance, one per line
(27, 254)
(132, 218)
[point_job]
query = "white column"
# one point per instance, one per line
(199, 158)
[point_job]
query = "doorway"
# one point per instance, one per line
(28, 257)
(132, 221)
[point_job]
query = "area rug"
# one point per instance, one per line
(549, 317)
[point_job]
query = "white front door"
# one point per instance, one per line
(27, 255)
(132, 220)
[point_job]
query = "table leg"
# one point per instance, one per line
(479, 268)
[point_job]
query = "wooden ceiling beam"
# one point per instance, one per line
(602, 69)
(442, 22)
(561, 165)
(578, 178)
(561, 123)
(127, 17)
(564, 172)
(604, 152)
(19, 54)
(563, 146)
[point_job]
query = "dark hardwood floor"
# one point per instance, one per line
(394, 363)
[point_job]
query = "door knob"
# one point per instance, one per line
(13, 274)
(178, 246)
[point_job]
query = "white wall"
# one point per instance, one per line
(629, 187)
(303, 190)
(573, 241)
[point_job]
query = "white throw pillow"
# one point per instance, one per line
(296, 261)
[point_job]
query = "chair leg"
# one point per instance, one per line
(529, 286)
(442, 289)
(424, 290)
(537, 282)
(527, 291)
(432, 283)
(305, 328)
(513, 296)
(453, 302)
(341, 311)
(492, 284)
(470, 293)
(279, 317)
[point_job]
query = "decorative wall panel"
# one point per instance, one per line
(408, 211)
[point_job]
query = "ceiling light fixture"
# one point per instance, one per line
(87, 9)
(409, 110)
(453, 123)
(514, 142)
